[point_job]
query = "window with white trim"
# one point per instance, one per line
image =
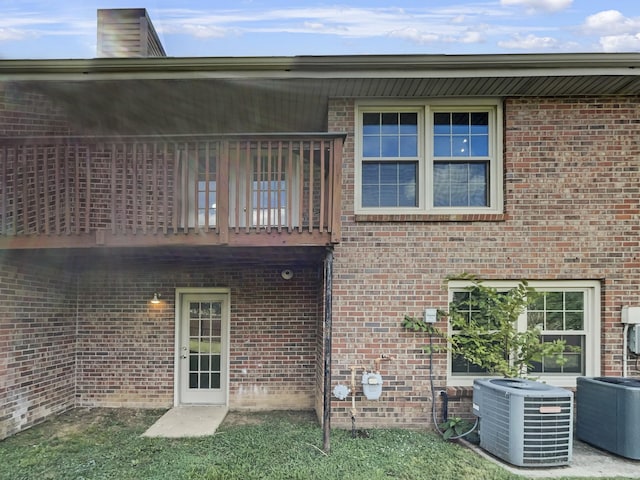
(433, 158)
(566, 310)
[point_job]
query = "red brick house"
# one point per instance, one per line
(288, 212)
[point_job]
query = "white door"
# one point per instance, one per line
(203, 357)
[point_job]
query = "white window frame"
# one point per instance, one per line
(190, 181)
(591, 289)
(243, 179)
(425, 110)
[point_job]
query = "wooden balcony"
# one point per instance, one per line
(69, 192)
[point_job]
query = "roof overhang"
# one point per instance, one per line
(228, 94)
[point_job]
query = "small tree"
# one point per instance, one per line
(486, 330)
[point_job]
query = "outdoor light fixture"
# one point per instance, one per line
(155, 300)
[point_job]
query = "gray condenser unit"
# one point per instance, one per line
(608, 414)
(526, 423)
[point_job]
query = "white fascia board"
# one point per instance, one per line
(336, 67)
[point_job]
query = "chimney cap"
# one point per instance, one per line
(127, 32)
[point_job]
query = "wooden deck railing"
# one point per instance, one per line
(84, 191)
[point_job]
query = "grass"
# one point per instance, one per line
(106, 444)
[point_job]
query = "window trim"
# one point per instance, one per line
(242, 179)
(419, 159)
(592, 326)
(425, 108)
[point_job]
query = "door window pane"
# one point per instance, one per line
(205, 337)
(269, 190)
(199, 177)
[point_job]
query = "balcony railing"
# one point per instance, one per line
(84, 191)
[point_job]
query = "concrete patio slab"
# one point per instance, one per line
(188, 421)
(587, 462)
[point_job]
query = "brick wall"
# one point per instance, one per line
(37, 342)
(126, 345)
(572, 190)
(24, 111)
(37, 327)
(93, 339)
(572, 185)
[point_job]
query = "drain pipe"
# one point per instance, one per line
(353, 402)
(328, 304)
(445, 405)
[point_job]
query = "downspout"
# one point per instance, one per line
(76, 343)
(326, 410)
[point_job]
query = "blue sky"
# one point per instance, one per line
(67, 28)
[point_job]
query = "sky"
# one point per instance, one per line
(42, 29)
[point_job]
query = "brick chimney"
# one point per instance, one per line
(127, 32)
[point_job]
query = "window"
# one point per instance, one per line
(461, 159)
(265, 184)
(560, 315)
(567, 310)
(433, 158)
(269, 194)
(390, 159)
(198, 173)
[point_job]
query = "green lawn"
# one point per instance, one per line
(106, 444)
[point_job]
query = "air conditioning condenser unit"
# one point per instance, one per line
(526, 423)
(608, 414)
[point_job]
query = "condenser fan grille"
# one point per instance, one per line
(547, 430)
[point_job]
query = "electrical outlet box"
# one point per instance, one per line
(631, 315)
(634, 339)
(430, 315)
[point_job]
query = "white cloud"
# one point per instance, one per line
(467, 25)
(472, 37)
(620, 43)
(415, 35)
(530, 42)
(415, 25)
(314, 25)
(19, 25)
(618, 33)
(13, 34)
(203, 31)
(536, 6)
(611, 21)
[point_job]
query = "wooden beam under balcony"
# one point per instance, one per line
(73, 192)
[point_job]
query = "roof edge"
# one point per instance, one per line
(301, 66)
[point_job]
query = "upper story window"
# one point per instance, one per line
(434, 158)
(566, 310)
(263, 182)
(461, 160)
(390, 159)
(272, 186)
(198, 182)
